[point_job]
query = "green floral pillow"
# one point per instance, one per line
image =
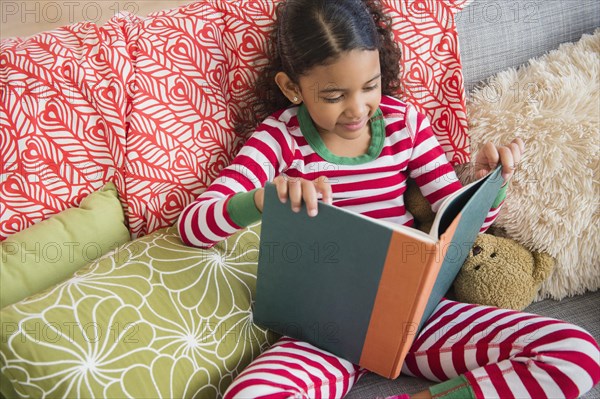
(153, 319)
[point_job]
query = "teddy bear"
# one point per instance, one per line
(498, 271)
(501, 272)
(418, 207)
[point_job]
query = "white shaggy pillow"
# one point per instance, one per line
(553, 104)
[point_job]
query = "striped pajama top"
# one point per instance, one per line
(287, 143)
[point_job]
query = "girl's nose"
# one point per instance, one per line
(356, 108)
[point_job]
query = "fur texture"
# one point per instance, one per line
(553, 104)
(500, 272)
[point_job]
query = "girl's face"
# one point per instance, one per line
(341, 96)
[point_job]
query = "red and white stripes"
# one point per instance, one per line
(294, 369)
(502, 354)
(505, 353)
(374, 187)
(490, 218)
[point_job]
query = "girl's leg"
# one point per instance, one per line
(498, 353)
(294, 369)
(478, 351)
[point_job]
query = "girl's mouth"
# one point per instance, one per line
(355, 125)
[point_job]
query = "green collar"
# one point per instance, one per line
(310, 133)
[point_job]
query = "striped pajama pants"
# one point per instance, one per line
(501, 353)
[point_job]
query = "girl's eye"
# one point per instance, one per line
(339, 98)
(333, 99)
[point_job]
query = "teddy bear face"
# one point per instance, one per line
(497, 272)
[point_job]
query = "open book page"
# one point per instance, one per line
(457, 201)
(410, 231)
(448, 211)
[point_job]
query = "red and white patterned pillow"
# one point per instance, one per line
(149, 103)
(194, 63)
(431, 69)
(63, 112)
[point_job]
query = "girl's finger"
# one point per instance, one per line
(491, 156)
(520, 143)
(324, 188)
(282, 188)
(516, 152)
(487, 159)
(295, 193)
(507, 161)
(309, 194)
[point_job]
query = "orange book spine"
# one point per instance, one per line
(409, 274)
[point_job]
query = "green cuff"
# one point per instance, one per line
(456, 388)
(242, 209)
(501, 196)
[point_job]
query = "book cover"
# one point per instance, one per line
(358, 287)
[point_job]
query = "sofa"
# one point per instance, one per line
(108, 131)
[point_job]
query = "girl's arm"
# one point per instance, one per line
(487, 159)
(435, 176)
(428, 165)
(228, 203)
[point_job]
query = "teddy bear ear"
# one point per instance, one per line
(544, 264)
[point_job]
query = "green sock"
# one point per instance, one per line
(456, 388)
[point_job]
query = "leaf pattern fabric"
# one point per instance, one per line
(431, 71)
(131, 324)
(63, 114)
(150, 103)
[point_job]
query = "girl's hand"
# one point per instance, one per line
(298, 190)
(509, 156)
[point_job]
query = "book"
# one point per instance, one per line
(359, 287)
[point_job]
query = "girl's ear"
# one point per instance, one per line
(288, 88)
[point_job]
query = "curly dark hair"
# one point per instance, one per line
(308, 33)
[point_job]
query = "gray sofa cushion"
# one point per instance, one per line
(496, 35)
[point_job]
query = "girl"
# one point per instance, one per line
(334, 132)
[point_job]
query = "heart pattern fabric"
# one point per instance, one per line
(149, 103)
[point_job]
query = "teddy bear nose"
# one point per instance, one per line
(477, 250)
